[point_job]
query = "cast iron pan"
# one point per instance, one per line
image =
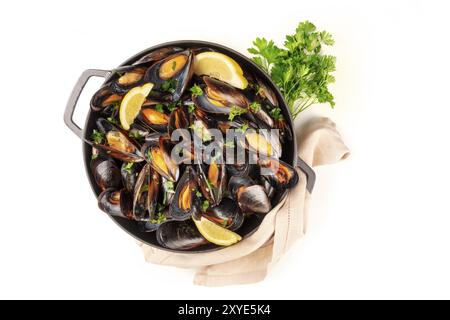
(289, 150)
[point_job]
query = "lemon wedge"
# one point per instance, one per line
(131, 104)
(215, 233)
(220, 66)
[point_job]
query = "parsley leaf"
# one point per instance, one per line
(205, 205)
(159, 107)
(255, 106)
(191, 107)
(128, 167)
(301, 70)
(97, 137)
(198, 194)
(236, 111)
(276, 114)
(169, 85)
(196, 90)
(112, 120)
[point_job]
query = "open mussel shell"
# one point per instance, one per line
(154, 119)
(171, 76)
(179, 235)
(179, 119)
(185, 203)
(105, 98)
(145, 197)
(263, 142)
(157, 55)
(116, 203)
(129, 173)
(266, 93)
(280, 174)
(251, 197)
(226, 214)
(118, 144)
(106, 173)
(156, 151)
(127, 78)
(212, 180)
(219, 97)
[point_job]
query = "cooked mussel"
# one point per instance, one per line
(116, 203)
(185, 202)
(212, 180)
(157, 55)
(105, 98)
(154, 119)
(129, 172)
(146, 192)
(117, 143)
(128, 77)
(171, 76)
(279, 173)
(263, 142)
(251, 197)
(106, 173)
(179, 235)
(219, 97)
(226, 214)
(157, 152)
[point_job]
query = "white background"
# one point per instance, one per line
(380, 221)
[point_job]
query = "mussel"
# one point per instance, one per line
(146, 192)
(117, 143)
(226, 214)
(116, 203)
(106, 173)
(129, 173)
(105, 98)
(251, 197)
(179, 235)
(129, 77)
(212, 181)
(219, 97)
(185, 202)
(263, 142)
(157, 55)
(279, 173)
(154, 119)
(171, 76)
(157, 152)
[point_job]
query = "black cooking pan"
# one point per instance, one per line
(289, 150)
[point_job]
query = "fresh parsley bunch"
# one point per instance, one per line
(300, 69)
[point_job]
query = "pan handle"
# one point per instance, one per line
(75, 95)
(309, 172)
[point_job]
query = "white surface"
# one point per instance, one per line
(380, 221)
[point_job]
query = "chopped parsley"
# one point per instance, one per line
(159, 107)
(97, 137)
(205, 205)
(255, 106)
(128, 167)
(196, 91)
(191, 107)
(276, 114)
(236, 111)
(169, 85)
(160, 218)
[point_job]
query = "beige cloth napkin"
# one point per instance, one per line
(249, 260)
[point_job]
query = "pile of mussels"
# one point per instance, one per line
(141, 181)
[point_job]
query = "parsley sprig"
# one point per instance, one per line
(301, 70)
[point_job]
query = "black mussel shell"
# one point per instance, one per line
(226, 214)
(279, 173)
(129, 173)
(185, 202)
(105, 98)
(156, 151)
(116, 202)
(146, 193)
(171, 76)
(251, 197)
(127, 78)
(179, 235)
(157, 55)
(106, 173)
